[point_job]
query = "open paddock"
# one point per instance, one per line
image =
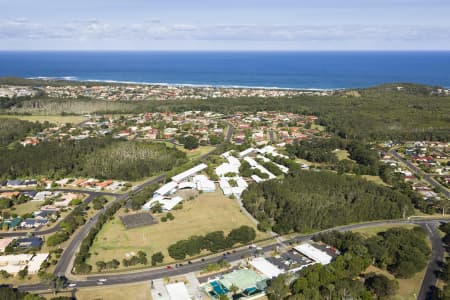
(206, 213)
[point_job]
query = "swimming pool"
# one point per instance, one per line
(219, 288)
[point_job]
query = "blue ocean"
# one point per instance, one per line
(308, 70)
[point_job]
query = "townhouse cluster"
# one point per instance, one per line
(232, 183)
(136, 92)
(229, 179)
(84, 183)
(50, 203)
(10, 91)
(204, 126)
(265, 127)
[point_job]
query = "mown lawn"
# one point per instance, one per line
(342, 154)
(139, 291)
(208, 212)
(27, 207)
(371, 231)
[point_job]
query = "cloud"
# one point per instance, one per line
(156, 30)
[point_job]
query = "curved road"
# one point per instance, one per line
(91, 196)
(63, 267)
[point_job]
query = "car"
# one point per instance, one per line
(99, 283)
(72, 285)
(102, 279)
(169, 267)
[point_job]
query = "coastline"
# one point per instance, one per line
(188, 85)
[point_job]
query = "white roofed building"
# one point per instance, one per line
(256, 178)
(166, 202)
(166, 189)
(226, 168)
(233, 161)
(187, 185)
(265, 267)
(189, 173)
(178, 291)
(314, 253)
(204, 184)
(14, 263)
(225, 186)
(246, 152)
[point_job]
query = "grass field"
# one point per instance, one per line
(374, 179)
(371, 231)
(318, 127)
(342, 154)
(139, 291)
(52, 119)
(407, 288)
(208, 212)
(27, 207)
(195, 153)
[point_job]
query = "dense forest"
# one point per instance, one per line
(14, 129)
(381, 112)
(99, 158)
(214, 242)
(307, 201)
(395, 250)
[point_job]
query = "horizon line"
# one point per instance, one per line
(224, 50)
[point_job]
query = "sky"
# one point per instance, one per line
(292, 25)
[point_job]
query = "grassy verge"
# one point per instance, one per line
(139, 291)
(371, 231)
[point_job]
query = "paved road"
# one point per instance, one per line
(236, 255)
(437, 255)
(428, 178)
(91, 196)
(272, 136)
(63, 267)
(230, 132)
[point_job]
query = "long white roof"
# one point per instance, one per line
(225, 186)
(266, 267)
(178, 291)
(246, 152)
(227, 168)
(233, 160)
(256, 178)
(204, 184)
(167, 203)
(167, 188)
(35, 264)
(314, 253)
(190, 172)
